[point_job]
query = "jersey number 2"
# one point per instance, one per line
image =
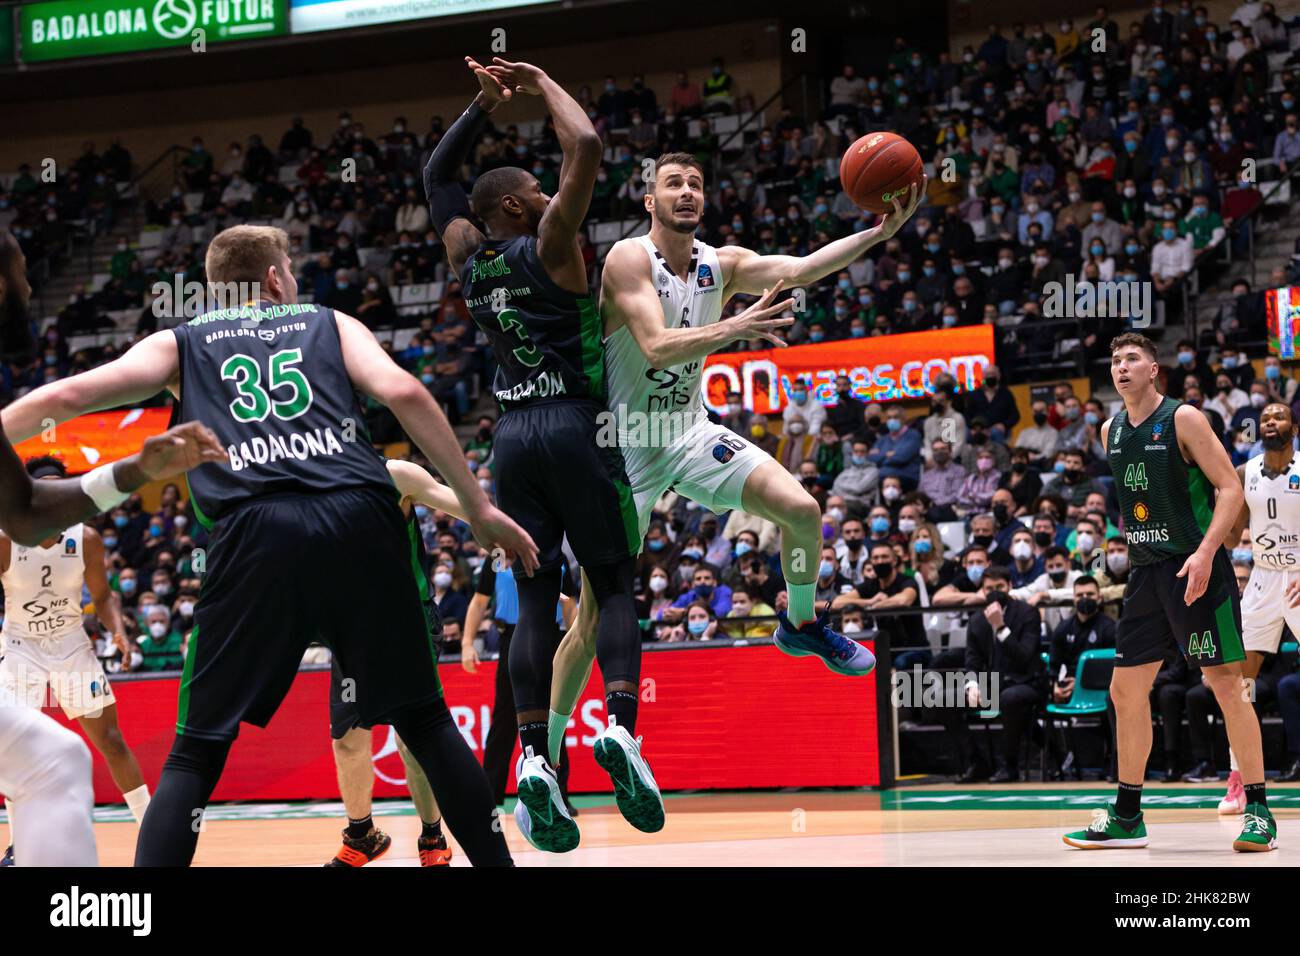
(255, 403)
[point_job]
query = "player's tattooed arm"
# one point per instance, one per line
(746, 272)
(416, 484)
(628, 298)
(31, 511)
(146, 369)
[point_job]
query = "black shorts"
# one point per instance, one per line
(344, 715)
(555, 478)
(285, 570)
(1155, 617)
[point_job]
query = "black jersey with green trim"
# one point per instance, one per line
(547, 340)
(1166, 503)
(269, 379)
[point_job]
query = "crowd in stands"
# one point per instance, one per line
(1120, 165)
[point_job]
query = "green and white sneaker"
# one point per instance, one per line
(1258, 832)
(635, 789)
(540, 812)
(1109, 832)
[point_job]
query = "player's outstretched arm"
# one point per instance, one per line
(746, 272)
(449, 210)
(581, 147)
(145, 370)
(415, 483)
(31, 511)
(371, 370)
(628, 298)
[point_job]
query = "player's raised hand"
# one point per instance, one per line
(756, 322)
(520, 77)
(893, 221)
(493, 91)
(494, 529)
(1197, 571)
(179, 449)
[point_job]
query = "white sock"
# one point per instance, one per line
(802, 597)
(137, 800)
(557, 725)
(1232, 761)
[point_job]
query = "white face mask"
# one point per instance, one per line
(907, 525)
(852, 627)
(1085, 542)
(836, 513)
(442, 580)
(891, 493)
(1117, 561)
(186, 608)
(1257, 400)
(658, 584)
(158, 629)
(1022, 550)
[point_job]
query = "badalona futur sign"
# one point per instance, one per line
(64, 29)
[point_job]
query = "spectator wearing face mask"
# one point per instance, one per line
(977, 490)
(944, 422)
(1286, 147)
(1053, 586)
(738, 418)
(965, 588)
(885, 589)
(699, 623)
(795, 445)
(994, 403)
(704, 588)
(853, 552)
(830, 579)
(1226, 399)
(451, 603)
(898, 451)
(1026, 565)
(942, 482)
(161, 646)
(802, 407)
(1003, 639)
(658, 598)
(1281, 386)
(744, 605)
(846, 414)
(1040, 439)
(858, 481)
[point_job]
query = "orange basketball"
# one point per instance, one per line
(879, 168)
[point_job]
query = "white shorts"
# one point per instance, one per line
(1264, 610)
(709, 465)
(67, 667)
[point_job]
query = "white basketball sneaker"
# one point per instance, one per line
(540, 812)
(635, 789)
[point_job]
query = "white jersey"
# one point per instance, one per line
(1274, 515)
(43, 589)
(638, 395)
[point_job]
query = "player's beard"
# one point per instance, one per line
(1276, 441)
(667, 219)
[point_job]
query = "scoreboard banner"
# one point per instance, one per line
(65, 29)
(83, 442)
(701, 711)
(311, 16)
(1282, 308)
(880, 369)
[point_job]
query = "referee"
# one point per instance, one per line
(497, 588)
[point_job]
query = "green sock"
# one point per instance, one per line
(802, 597)
(557, 725)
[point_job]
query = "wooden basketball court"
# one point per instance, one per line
(944, 825)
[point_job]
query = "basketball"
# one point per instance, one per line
(878, 168)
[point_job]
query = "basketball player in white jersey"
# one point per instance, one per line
(662, 298)
(1272, 510)
(45, 647)
(45, 768)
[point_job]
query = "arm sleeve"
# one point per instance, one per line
(441, 183)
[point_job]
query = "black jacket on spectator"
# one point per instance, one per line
(1000, 410)
(1072, 637)
(1016, 659)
